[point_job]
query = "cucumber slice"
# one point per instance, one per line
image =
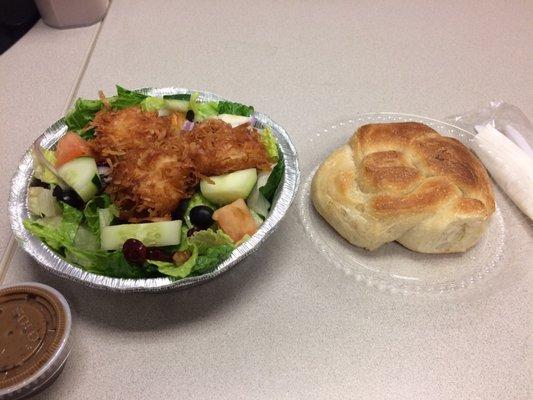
(227, 188)
(256, 201)
(105, 217)
(157, 234)
(81, 175)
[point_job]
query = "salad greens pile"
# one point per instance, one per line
(74, 235)
(73, 215)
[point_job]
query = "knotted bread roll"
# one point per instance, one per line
(404, 182)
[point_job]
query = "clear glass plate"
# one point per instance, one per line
(393, 267)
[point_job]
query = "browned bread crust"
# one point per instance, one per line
(405, 182)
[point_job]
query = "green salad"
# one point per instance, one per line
(145, 186)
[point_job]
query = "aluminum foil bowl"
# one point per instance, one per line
(18, 212)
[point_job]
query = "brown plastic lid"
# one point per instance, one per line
(34, 328)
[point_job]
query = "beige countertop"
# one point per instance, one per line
(39, 77)
(284, 323)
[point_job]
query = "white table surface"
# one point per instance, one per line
(284, 323)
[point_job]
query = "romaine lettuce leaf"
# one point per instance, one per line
(85, 110)
(48, 229)
(91, 212)
(212, 257)
(104, 263)
(203, 110)
(79, 245)
(208, 249)
(208, 238)
(41, 202)
(229, 107)
(40, 171)
(86, 240)
(258, 218)
(126, 98)
(274, 179)
(152, 103)
(83, 113)
(70, 222)
(177, 271)
(58, 231)
(270, 143)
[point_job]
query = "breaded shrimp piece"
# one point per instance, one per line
(118, 131)
(216, 148)
(149, 183)
(154, 166)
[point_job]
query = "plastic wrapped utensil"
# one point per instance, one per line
(502, 145)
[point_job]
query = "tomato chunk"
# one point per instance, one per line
(69, 147)
(235, 220)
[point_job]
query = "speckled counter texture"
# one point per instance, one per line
(285, 324)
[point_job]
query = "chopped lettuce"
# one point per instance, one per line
(57, 231)
(229, 107)
(213, 248)
(177, 271)
(212, 257)
(91, 211)
(126, 98)
(208, 248)
(41, 202)
(86, 240)
(152, 104)
(80, 246)
(40, 171)
(85, 110)
(256, 201)
(202, 110)
(269, 190)
(209, 238)
(104, 263)
(184, 242)
(196, 200)
(83, 113)
(271, 146)
(48, 229)
(258, 218)
(70, 222)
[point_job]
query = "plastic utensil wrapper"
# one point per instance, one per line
(510, 166)
(501, 143)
